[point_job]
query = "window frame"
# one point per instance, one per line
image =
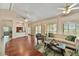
(75, 29)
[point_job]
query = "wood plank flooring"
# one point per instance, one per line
(22, 46)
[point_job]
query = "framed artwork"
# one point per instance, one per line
(19, 29)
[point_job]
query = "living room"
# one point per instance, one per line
(51, 31)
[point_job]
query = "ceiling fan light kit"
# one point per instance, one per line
(68, 8)
(66, 11)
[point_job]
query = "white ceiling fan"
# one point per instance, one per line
(68, 8)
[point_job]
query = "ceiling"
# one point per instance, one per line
(34, 11)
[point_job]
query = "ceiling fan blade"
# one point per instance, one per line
(75, 8)
(73, 5)
(61, 8)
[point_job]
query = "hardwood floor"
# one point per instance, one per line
(22, 46)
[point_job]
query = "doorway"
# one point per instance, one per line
(7, 35)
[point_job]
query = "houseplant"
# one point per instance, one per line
(70, 38)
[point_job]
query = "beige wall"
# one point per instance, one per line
(4, 23)
(5, 19)
(8, 18)
(59, 20)
(13, 24)
(11, 19)
(16, 23)
(43, 25)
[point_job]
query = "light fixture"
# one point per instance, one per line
(68, 8)
(26, 20)
(66, 11)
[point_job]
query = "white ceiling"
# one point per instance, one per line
(38, 11)
(34, 11)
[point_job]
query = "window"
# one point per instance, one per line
(66, 28)
(71, 28)
(52, 28)
(6, 29)
(38, 29)
(29, 30)
(77, 29)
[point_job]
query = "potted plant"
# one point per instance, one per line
(70, 38)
